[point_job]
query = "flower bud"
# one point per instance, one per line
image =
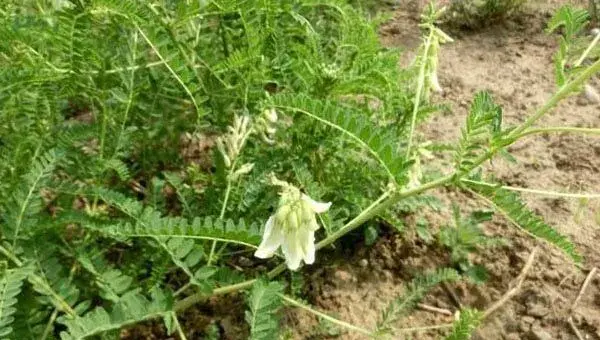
(271, 115)
(266, 139)
(223, 152)
(226, 160)
(243, 170)
(435, 84)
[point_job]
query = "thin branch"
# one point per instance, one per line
(429, 308)
(587, 50)
(423, 328)
(584, 286)
(515, 289)
(175, 75)
(420, 85)
(325, 316)
(574, 329)
(178, 326)
(535, 191)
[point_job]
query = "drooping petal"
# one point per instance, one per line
(435, 84)
(312, 224)
(292, 250)
(309, 247)
(318, 207)
(272, 239)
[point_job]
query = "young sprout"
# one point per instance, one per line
(292, 227)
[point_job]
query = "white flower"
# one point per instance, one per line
(293, 228)
(435, 84)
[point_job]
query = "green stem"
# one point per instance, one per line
(587, 131)
(420, 85)
(564, 91)
(534, 191)
(178, 326)
(25, 204)
(54, 315)
(587, 50)
(11, 256)
(182, 289)
(423, 328)
(380, 205)
(325, 316)
(48, 328)
(198, 297)
(222, 214)
(175, 75)
(130, 96)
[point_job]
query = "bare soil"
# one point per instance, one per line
(513, 61)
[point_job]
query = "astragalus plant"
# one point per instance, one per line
(147, 144)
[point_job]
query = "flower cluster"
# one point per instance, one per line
(292, 227)
(231, 144)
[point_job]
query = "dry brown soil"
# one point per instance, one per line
(513, 61)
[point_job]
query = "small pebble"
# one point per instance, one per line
(537, 333)
(528, 319)
(512, 336)
(591, 94)
(538, 311)
(552, 275)
(343, 276)
(388, 274)
(363, 263)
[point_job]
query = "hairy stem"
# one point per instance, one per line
(587, 50)
(221, 215)
(535, 191)
(420, 85)
(178, 326)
